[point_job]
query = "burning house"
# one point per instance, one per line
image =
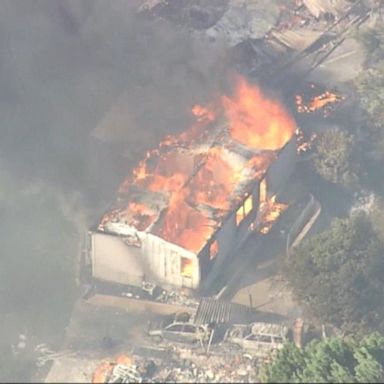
(189, 202)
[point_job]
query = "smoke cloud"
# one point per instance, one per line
(87, 87)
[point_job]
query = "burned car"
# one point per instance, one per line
(259, 338)
(177, 328)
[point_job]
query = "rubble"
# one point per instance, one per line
(321, 7)
(181, 364)
(245, 20)
(191, 14)
(189, 366)
(178, 298)
(124, 374)
(230, 20)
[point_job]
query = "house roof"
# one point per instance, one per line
(216, 177)
(184, 189)
(319, 7)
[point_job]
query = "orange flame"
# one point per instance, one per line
(256, 121)
(270, 211)
(304, 144)
(124, 360)
(197, 176)
(187, 267)
(213, 249)
(318, 102)
(103, 372)
(203, 113)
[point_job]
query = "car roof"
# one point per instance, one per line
(268, 329)
(183, 323)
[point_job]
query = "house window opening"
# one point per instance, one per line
(213, 250)
(186, 267)
(244, 210)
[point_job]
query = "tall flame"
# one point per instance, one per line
(256, 121)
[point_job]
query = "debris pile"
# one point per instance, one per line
(119, 370)
(177, 298)
(305, 141)
(186, 366)
(206, 370)
(325, 101)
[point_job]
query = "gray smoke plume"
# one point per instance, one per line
(65, 65)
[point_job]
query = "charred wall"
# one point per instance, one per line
(161, 262)
(280, 170)
(232, 234)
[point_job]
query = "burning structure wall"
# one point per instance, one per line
(192, 199)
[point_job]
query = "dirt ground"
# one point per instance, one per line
(71, 369)
(270, 295)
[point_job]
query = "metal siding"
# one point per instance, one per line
(243, 229)
(154, 256)
(256, 196)
(282, 168)
(165, 259)
(230, 236)
(114, 261)
(218, 311)
(157, 260)
(226, 237)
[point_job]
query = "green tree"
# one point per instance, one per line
(291, 362)
(370, 89)
(370, 359)
(377, 218)
(372, 41)
(335, 157)
(332, 360)
(338, 275)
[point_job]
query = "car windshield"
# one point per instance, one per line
(189, 328)
(265, 339)
(168, 320)
(252, 337)
(278, 340)
(174, 328)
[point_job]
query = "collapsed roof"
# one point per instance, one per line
(183, 190)
(319, 7)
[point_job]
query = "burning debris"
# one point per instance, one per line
(314, 99)
(304, 141)
(270, 211)
(180, 365)
(119, 370)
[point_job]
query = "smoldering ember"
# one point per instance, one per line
(235, 143)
